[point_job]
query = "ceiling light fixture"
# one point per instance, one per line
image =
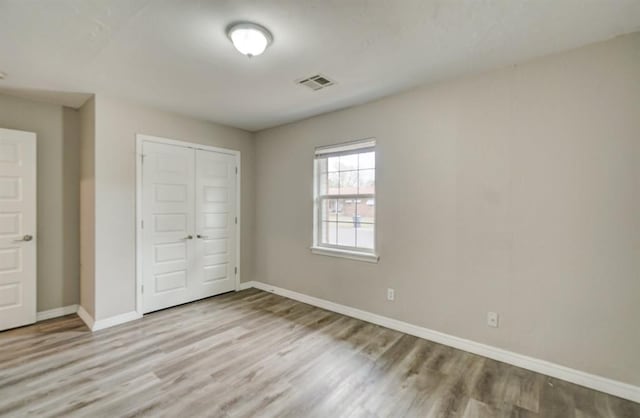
(249, 38)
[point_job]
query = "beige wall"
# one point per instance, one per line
(87, 206)
(57, 130)
(117, 124)
(515, 191)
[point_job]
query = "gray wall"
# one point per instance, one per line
(57, 130)
(515, 191)
(117, 123)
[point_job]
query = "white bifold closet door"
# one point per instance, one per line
(189, 220)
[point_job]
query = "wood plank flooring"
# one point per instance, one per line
(255, 354)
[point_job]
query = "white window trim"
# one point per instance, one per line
(342, 253)
(350, 253)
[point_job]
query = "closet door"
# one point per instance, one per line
(216, 190)
(168, 225)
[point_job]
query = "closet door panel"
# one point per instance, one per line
(215, 222)
(168, 216)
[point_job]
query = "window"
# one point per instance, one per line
(345, 196)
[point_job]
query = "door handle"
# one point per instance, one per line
(202, 236)
(25, 238)
(188, 237)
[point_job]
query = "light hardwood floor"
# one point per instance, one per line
(253, 353)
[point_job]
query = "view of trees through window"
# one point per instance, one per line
(346, 200)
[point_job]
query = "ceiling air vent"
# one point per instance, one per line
(316, 82)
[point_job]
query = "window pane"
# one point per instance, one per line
(366, 211)
(346, 234)
(367, 160)
(349, 162)
(329, 210)
(333, 164)
(348, 182)
(349, 221)
(328, 232)
(346, 210)
(366, 236)
(333, 183)
(366, 181)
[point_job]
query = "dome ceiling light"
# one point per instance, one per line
(250, 39)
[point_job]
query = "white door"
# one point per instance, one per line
(216, 223)
(189, 224)
(17, 228)
(168, 225)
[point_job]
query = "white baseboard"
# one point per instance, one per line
(115, 320)
(56, 312)
(602, 384)
(86, 317)
(94, 325)
(246, 285)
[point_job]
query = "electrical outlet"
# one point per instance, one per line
(391, 294)
(492, 319)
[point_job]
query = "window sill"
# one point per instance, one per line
(351, 255)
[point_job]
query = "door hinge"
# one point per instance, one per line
(236, 270)
(142, 288)
(236, 220)
(142, 224)
(236, 170)
(142, 157)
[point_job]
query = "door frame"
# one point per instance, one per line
(140, 139)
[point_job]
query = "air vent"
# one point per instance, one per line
(316, 82)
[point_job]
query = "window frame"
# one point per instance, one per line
(344, 251)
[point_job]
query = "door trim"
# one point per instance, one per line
(140, 139)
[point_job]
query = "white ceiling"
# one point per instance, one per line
(174, 54)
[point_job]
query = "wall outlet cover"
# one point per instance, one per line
(492, 319)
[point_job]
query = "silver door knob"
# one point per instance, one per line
(202, 236)
(25, 238)
(188, 237)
